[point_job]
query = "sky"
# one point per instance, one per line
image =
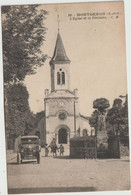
(95, 43)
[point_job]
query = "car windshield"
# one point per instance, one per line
(29, 140)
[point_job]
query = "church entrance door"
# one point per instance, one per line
(62, 136)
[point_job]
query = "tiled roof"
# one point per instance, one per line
(59, 52)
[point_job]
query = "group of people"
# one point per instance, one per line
(54, 148)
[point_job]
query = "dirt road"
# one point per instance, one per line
(64, 174)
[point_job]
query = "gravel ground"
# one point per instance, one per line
(64, 174)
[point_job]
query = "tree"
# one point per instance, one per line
(117, 103)
(32, 123)
(93, 119)
(101, 105)
(97, 119)
(18, 108)
(125, 117)
(18, 111)
(23, 34)
(115, 117)
(125, 108)
(29, 123)
(37, 117)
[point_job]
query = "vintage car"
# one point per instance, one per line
(29, 149)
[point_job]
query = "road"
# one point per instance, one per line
(64, 174)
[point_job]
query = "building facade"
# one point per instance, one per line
(62, 118)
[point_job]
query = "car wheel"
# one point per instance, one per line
(18, 158)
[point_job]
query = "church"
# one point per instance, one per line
(62, 118)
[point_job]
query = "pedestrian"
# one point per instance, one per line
(46, 150)
(53, 147)
(54, 150)
(61, 148)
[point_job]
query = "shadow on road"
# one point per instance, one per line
(47, 156)
(125, 160)
(50, 190)
(27, 162)
(68, 157)
(62, 157)
(12, 163)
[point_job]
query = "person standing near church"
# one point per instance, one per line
(61, 148)
(53, 147)
(46, 150)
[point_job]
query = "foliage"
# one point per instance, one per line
(29, 123)
(93, 119)
(33, 122)
(117, 103)
(38, 117)
(125, 117)
(101, 104)
(18, 110)
(114, 117)
(125, 108)
(23, 34)
(117, 116)
(19, 119)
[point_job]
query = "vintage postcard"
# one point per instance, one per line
(66, 99)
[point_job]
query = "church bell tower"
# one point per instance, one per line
(60, 67)
(61, 104)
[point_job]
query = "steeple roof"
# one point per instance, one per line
(59, 52)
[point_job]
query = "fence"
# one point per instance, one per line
(83, 147)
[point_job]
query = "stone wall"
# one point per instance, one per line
(117, 148)
(124, 150)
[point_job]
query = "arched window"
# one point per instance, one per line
(63, 78)
(58, 78)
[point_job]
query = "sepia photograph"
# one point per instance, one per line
(65, 97)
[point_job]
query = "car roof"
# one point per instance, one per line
(29, 136)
